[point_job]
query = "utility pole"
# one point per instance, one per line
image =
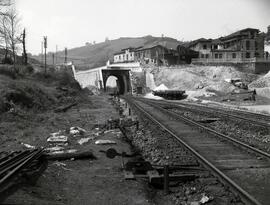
(65, 55)
(56, 48)
(45, 48)
(53, 58)
(25, 61)
(42, 52)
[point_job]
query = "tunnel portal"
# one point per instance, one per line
(122, 76)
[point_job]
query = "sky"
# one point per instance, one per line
(72, 23)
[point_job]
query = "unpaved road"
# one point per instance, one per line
(79, 182)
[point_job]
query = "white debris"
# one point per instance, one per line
(54, 149)
(63, 151)
(84, 140)
(71, 151)
(28, 146)
(205, 199)
(59, 164)
(60, 138)
(76, 131)
(104, 142)
(151, 96)
(161, 87)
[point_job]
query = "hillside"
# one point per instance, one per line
(92, 56)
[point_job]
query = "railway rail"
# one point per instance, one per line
(15, 162)
(254, 118)
(245, 169)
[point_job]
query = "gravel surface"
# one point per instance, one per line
(249, 133)
(160, 148)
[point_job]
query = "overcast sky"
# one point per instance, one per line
(71, 23)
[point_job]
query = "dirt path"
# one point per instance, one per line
(99, 181)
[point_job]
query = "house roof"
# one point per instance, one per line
(170, 45)
(239, 33)
(200, 40)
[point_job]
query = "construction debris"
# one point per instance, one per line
(84, 140)
(205, 199)
(58, 139)
(54, 149)
(77, 131)
(28, 146)
(104, 142)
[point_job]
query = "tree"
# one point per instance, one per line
(11, 30)
(4, 3)
(4, 36)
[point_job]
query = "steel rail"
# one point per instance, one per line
(13, 159)
(257, 151)
(245, 196)
(218, 110)
(18, 165)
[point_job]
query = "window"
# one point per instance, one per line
(256, 46)
(202, 55)
(204, 46)
(247, 45)
(257, 54)
(206, 55)
(220, 55)
(215, 47)
(247, 55)
(216, 55)
(233, 55)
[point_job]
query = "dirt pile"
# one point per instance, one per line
(262, 85)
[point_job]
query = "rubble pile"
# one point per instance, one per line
(262, 85)
(201, 80)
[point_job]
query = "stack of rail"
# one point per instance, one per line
(170, 94)
(12, 164)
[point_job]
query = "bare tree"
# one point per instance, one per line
(4, 36)
(4, 3)
(11, 32)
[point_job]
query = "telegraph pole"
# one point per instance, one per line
(56, 48)
(65, 55)
(42, 52)
(45, 48)
(53, 58)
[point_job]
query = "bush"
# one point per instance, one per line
(29, 95)
(25, 70)
(7, 60)
(8, 71)
(29, 69)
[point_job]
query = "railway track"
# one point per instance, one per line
(245, 169)
(14, 163)
(254, 118)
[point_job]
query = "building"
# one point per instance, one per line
(125, 55)
(185, 55)
(202, 46)
(157, 53)
(241, 46)
(267, 38)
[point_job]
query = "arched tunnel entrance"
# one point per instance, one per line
(123, 79)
